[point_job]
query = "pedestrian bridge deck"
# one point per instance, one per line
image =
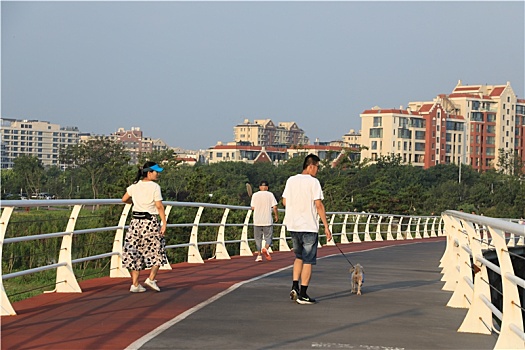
(241, 304)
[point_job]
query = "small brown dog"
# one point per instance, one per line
(357, 278)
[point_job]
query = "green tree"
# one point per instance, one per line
(31, 171)
(102, 161)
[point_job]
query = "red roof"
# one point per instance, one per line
(249, 148)
(318, 147)
(186, 159)
(388, 111)
(467, 88)
(497, 91)
(456, 95)
(426, 107)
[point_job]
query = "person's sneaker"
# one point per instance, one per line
(294, 294)
(152, 284)
(266, 254)
(258, 258)
(305, 300)
(137, 289)
(270, 250)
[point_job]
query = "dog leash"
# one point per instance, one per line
(344, 255)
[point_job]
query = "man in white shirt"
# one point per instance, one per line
(303, 199)
(263, 203)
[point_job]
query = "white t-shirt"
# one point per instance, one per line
(262, 202)
(144, 194)
(300, 192)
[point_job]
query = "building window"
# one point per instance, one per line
(378, 122)
(376, 133)
(373, 145)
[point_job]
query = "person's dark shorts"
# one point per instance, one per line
(305, 246)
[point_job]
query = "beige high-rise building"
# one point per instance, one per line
(263, 132)
(35, 138)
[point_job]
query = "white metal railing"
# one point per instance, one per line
(358, 226)
(465, 273)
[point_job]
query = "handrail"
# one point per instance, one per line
(465, 272)
(360, 226)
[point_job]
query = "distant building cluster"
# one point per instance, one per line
(40, 139)
(263, 132)
(468, 126)
(471, 125)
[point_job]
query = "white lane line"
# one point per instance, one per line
(143, 340)
(318, 345)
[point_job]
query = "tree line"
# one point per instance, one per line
(99, 168)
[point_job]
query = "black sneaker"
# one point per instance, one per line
(305, 300)
(294, 294)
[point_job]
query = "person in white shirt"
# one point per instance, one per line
(303, 200)
(144, 244)
(263, 203)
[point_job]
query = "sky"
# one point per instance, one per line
(189, 71)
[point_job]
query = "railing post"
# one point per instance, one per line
(463, 292)
(221, 253)
(344, 237)
(355, 237)
(66, 281)
(433, 228)
(425, 230)
(512, 313)
(7, 308)
(245, 247)
(379, 237)
(479, 314)
(450, 256)
(283, 246)
(194, 256)
(116, 269)
(399, 236)
(330, 226)
(389, 236)
(167, 211)
(367, 237)
(418, 233)
(409, 229)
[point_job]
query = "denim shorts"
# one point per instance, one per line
(305, 246)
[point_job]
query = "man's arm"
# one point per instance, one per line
(275, 214)
(322, 214)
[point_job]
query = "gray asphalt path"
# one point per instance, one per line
(402, 307)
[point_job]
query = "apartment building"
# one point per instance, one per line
(490, 112)
(352, 139)
(264, 132)
(35, 138)
(244, 152)
(239, 152)
(136, 143)
(468, 126)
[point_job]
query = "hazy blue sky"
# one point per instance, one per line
(187, 72)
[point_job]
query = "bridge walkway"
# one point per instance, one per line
(240, 304)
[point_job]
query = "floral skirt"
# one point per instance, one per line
(144, 246)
